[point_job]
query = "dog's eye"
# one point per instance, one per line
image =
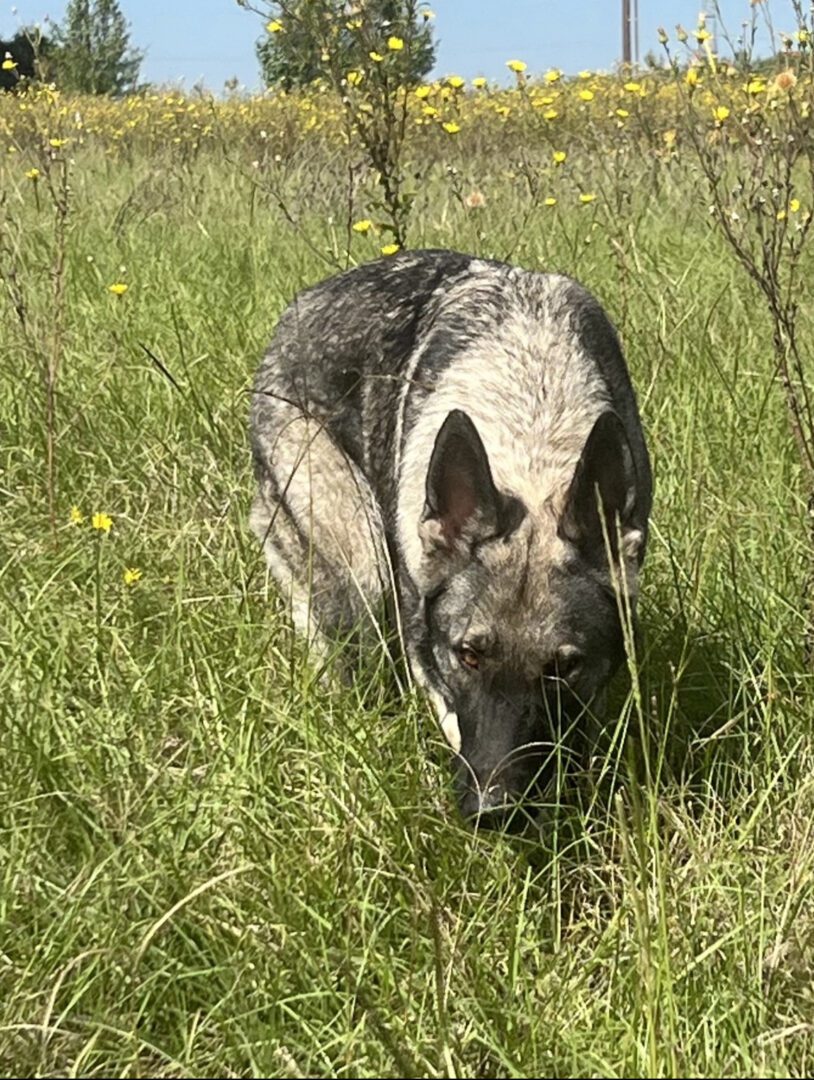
(468, 657)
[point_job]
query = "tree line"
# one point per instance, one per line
(90, 50)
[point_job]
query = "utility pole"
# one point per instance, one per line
(626, 49)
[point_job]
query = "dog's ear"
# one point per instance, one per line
(605, 477)
(462, 504)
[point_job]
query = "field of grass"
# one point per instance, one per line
(213, 864)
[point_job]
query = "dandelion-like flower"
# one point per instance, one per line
(354, 77)
(721, 113)
(8, 64)
(517, 66)
(118, 288)
(423, 92)
(552, 76)
(691, 78)
(559, 157)
(390, 249)
(587, 197)
(794, 205)
(131, 575)
(103, 522)
(33, 174)
(785, 80)
(586, 95)
(76, 516)
(550, 114)
(479, 82)
(451, 128)
(550, 201)
(57, 144)
(363, 226)
(275, 26)
(375, 56)
(396, 44)
(455, 81)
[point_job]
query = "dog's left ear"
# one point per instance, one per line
(462, 504)
(605, 477)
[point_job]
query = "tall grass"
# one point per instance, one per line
(212, 863)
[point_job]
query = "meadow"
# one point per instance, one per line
(214, 864)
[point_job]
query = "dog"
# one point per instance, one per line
(460, 435)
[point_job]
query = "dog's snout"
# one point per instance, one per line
(489, 808)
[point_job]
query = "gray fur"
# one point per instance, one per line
(440, 427)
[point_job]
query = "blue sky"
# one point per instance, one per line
(213, 40)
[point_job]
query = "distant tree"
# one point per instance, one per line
(303, 36)
(94, 55)
(26, 56)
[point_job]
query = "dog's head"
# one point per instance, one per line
(522, 624)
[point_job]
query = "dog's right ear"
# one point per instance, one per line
(462, 504)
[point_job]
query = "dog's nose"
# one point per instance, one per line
(492, 808)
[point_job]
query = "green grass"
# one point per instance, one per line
(213, 864)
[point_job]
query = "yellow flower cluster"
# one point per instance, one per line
(45, 120)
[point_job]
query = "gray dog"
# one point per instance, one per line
(460, 435)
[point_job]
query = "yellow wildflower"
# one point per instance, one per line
(623, 114)
(517, 66)
(451, 128)
(33, 174)
(721, 113)
(691, 78)
(76, 516)
(354, 77)
(550, 114)
(9, 64)
(586, 95)
(395, 43)
(552, 76)
(794, 205)
(363, 226)
(559, 157)
(422, 92)
(57, 144)
(131, 575)
(275, 26)
(118, 288)
(702, 35)
(550, 201)
(102, 522)
(587, 197)
(390, 249)
(376, 57)
(803, 36)
(633, 87)
(479, 82)
(755, 86)
(455, 81)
